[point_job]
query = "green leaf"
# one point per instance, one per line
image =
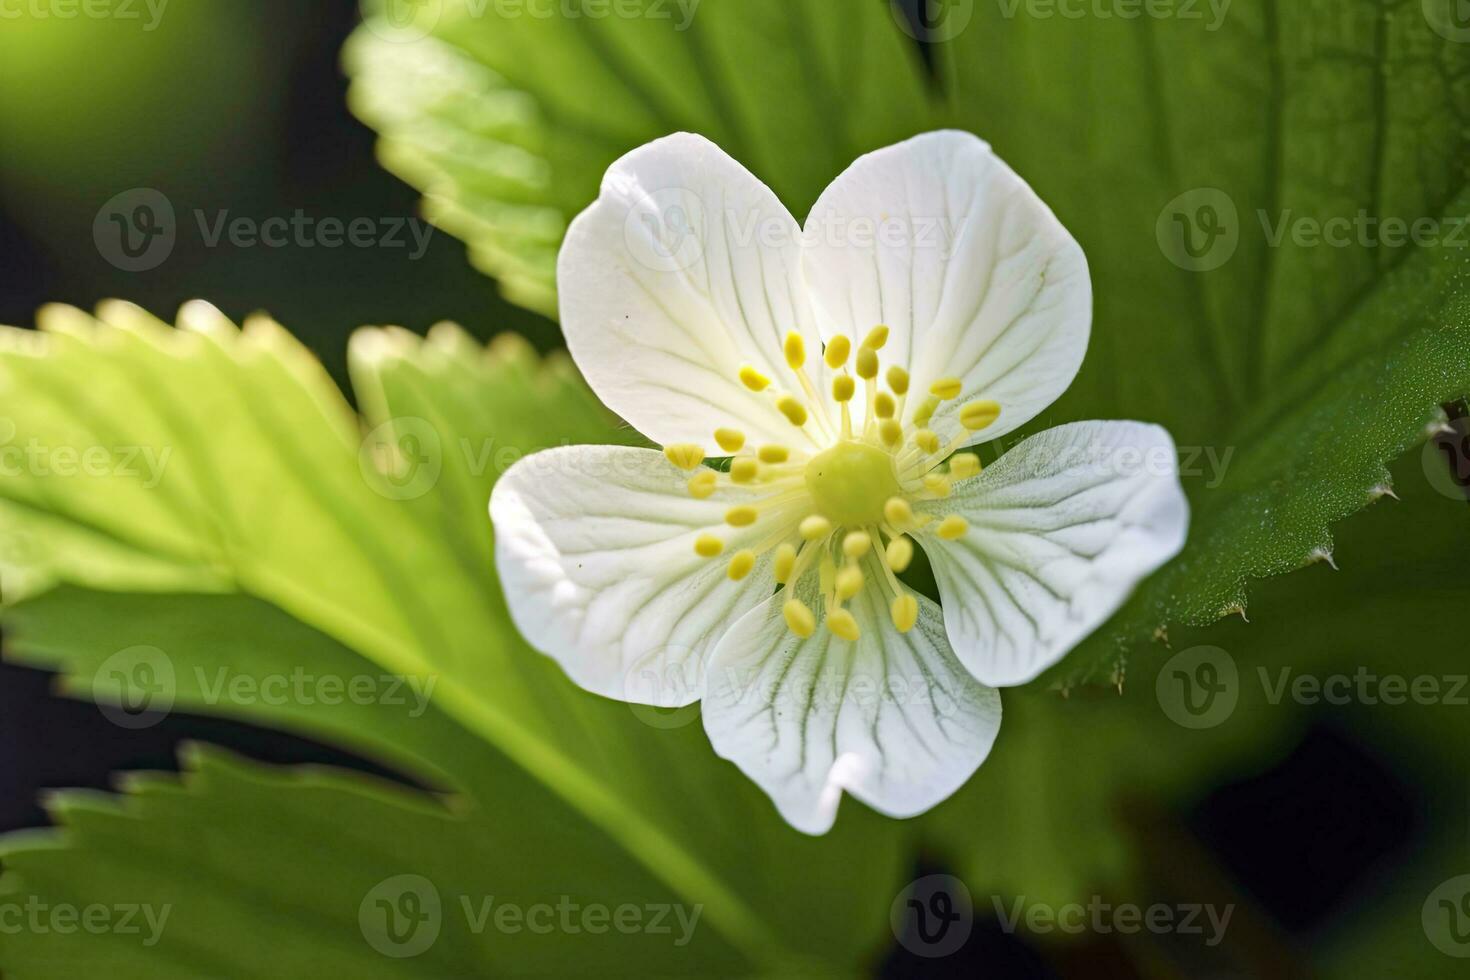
(266, 494)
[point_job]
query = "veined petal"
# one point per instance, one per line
(595, 550)
(893, 718)
(685, 269)
(976, 279)
(1061, 530)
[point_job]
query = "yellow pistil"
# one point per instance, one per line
(684, 455)
(979, 415)
(753, 379)
(740, 564)
(744, 470)
(794, 348)
(799, 618)
(898, 380)
(842, 624)
(905, 612)
(856, 544)
(774, 454)
(730, 440)
(900, 553)
(785, 563)
(876, 338)
(838, 348)
(947, 388)
(742, 516)
(702, 484)
(708, 546)
(952, 527)
(849, 582)
(794, 410)
(962, 466)
(814, 528)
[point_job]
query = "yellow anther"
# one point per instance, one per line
(899, 553)
(740, 564)
(744, 470)
(742, 516)
(938, 484)
(774, 454)
(799, 618)
(898, 380)
(876, 338)
(978, 415)
(842, 624)
(730, 440)
(849, 582)
(926, 440)
(684, 455)
(891, 432)
(898, 512)
(702, 484)
(753, 379)
(905, 612)
(947, 388)
(815, 528)
(785, 563)
(952, 527)
(884, 405)
(843, 387)
(867, 363)
(794, 410)
(962, 466)
(926, 410)
(794, 348)
(708, 546)
(856, 544)
(837, 350)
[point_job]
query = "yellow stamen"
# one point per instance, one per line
(753, 379)
(742, 516)
(684, 455)
(794, 410)
(799, 618)
(926, 410)
(978, 415)
(837, 350)
(785, 562)
(843, 388)
(884, 405)
(926, 440)
(905, 612)
(898, 512)
(899, 553)
(947, 388)
(795, 350)
(952, 527)
(938, 484)
(898, 380)
(842, 624)
(891, 432)
(814, 528)
(876, 338)
(827, 575)
(708, 546)
(741, 564)
(702, 484)
(730, 440)
(774, 454)
(849, 582)
(867, 363)
(962, 466)
(744, 470)
(856, 544)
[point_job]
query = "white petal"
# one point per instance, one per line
(684, 269)
(893, 719)
(976, 279)
(1062, 528)
(595, 550)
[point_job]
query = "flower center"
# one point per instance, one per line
(851, 482)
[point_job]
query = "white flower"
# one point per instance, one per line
(932, 299)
